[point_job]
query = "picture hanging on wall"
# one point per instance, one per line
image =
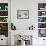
(22, 14)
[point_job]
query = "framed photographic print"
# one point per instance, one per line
(22, 14)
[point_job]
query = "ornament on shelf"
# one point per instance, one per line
(31, 27)
(13, 27)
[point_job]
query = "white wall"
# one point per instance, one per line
(3, 1)
(23, 24)
(32, 6)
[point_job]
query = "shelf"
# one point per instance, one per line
(41, 10)
(3, 10)
(41, 22)
(3, 16)
(42, 19)
(42, 16)
(41, 28)
(4, 19)
(3, 22)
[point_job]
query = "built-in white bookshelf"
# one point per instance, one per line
(42, 19)
(4, 19)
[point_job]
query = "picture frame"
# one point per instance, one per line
(22, 14)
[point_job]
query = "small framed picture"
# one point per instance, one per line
(22, 14)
